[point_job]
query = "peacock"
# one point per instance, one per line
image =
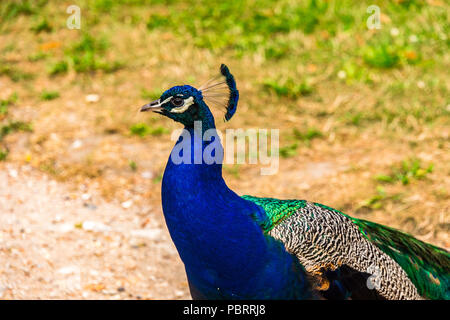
(247, 247)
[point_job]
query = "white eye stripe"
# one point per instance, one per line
(165, 101)
(187, 103)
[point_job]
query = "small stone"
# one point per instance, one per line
(413, 38)
(90, 206)
(420, 84)
(127, 204)
(179, 293)
(120, 289)
(85, 196)
(92, 98)
(13, 173)
(77, 144)
(109, 292)
(66, 227)
(95, 226)
(395, 32)
(147, 175)
(342, 74)
(151, 234)
(68, 270)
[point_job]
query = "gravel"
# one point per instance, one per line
(58, 242)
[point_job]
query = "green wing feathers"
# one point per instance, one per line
(275, 209)
(426, 265)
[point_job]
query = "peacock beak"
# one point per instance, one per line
(152, 106)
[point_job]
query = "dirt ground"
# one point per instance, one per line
(62, 244)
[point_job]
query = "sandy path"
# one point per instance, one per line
(59, 244)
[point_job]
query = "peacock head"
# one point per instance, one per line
(186, 104)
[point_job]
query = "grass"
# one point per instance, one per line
(289, 150)
(142, 130)
(407, 171)
(151, 94)
(87, 55)
(300, 136)
(37, 56)
(308, 134)
(49, 95)
(381, 55)
(3, 154)
(15, 73)
(59, 67)
(13, 9)
(288, 88)
(42, 26)
(5, 103)
(133, 165)
(378, 200)
(7, 126)
(14, 126)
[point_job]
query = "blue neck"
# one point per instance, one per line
(224, 251)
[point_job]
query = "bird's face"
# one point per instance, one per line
(186, 104)
(180, 103)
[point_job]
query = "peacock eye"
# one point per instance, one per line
(177, 101)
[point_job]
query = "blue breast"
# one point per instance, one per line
(226, 255)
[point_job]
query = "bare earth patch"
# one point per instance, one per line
(60, 244)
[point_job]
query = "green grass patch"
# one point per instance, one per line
(288, 88)
(14, 73)
(232, 169)
(246, 26)
(289, 150)
(378, 200)
(308, 134)
(49, 95)
(14, 126)
(4, 104)
(59, 67)
(381, 55)
(406, 171)
(151, 94)
(3, 154)
(42, 26)
(37, 56)
(133, 165)
(142, 130)
(87, 55)
(12, 9)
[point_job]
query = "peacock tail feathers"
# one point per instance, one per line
(341, 250)
(427, 266)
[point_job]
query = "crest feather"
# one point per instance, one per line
(221, 91)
